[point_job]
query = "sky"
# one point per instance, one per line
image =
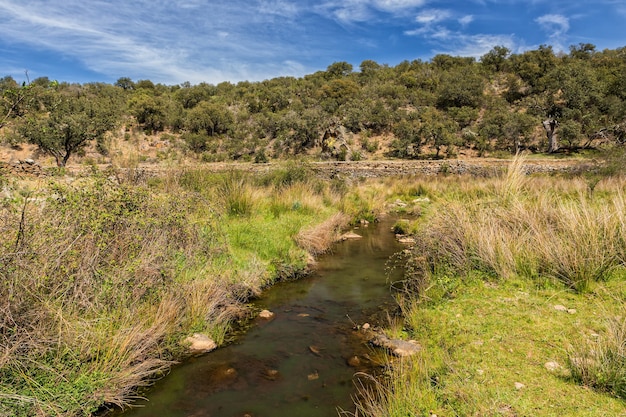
(172, 42)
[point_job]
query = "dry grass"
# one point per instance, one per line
(319, 238)
(531, 227)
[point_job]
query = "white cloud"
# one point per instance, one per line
(430, 16)
(556, 26)
(554, 23)
(466, 20)
(398, 5)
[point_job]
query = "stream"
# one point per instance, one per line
(302, 361)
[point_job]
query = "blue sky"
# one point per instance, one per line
(233, 40)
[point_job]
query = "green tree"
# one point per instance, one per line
(69, 123)
(496, 59)
(209, 117)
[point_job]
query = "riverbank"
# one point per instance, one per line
(105, 273)
(515, 292)
(103, 277)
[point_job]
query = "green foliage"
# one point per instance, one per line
(71, 120)
(496, 104)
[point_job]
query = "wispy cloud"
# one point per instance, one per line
(434, 28)
(355, 11)
(466, 20)
(556, 26)
(432, 16)
(157, 40)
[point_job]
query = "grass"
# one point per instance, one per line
(101, 279)
(495, 263)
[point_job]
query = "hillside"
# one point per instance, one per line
(449, 107)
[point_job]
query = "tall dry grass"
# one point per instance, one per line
(102, 279)
(542, 228)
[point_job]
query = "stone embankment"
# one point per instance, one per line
(335, 169)
(26, 167)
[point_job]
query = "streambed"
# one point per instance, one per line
(302, 361)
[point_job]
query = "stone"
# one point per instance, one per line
(354, 361)
(552, 366)
(560, 307)
(571, 310)
(315, 350)
(313, 376)
(365, 326)
(407, 240)
(519, 386)
(266, 314)
(350, 235)
(200, 343)
(398, 347)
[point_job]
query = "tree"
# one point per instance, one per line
(339, 69)
(496, 59)
(210, 118)
(125, 83)
(69, 124)
(14, 99)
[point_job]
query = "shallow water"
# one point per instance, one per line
(302, 361)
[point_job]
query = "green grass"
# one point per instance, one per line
(101, 281)
(489, 336)
(492, 260)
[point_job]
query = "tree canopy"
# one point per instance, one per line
(426, 108)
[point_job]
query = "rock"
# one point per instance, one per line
(364, 222)
(407, 240)
(354, 361)
(552, 366)
(350, 235)
(271, 374)
(571, 310)
(560, 307)
(29, 161)
(519, 386)
(266, 314)
(200, 343)
(313, 376)
(315, 350)
(398, 347)
(365, 326)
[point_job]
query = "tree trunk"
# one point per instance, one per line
(550, 126)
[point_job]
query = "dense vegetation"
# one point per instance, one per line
(504, 102)
(102, 277)
(103, 274)
(515, 290)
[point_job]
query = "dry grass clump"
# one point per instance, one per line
(526, 227)
(318, 239)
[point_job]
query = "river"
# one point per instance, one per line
(302, 361)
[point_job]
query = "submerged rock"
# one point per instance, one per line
(350, 235)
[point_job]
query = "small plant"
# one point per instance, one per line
(601, 363)
(235, 194)
(260, 157)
